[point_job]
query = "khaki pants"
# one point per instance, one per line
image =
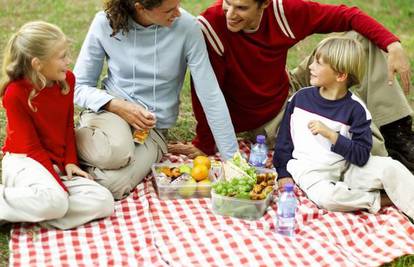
(386, 103)
(353, 188)
(105, 144)
(29, 193)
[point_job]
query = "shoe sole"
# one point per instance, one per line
(397, 156)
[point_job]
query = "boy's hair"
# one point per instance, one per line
(35, 39)
(344, 55)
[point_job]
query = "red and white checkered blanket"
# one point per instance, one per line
(146, 231)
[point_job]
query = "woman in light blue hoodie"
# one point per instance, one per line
(148, 45)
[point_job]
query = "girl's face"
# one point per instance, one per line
(55, 67)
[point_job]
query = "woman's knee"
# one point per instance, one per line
(98, 149)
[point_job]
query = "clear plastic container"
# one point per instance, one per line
(167, 190)
(242, 208)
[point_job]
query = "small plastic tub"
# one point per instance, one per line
(242, 208)
(166, 190)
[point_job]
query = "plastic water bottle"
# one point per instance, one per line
(286, 209)
(258, 152)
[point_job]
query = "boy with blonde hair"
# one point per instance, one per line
(325, 139)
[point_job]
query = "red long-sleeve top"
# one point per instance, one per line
(46, 135)
(251, 67)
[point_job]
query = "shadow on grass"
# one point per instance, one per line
(4, 244)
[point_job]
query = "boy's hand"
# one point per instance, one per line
(72, 169)
(282, 181)
(317, 127)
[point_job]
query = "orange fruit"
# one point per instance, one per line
(202, 160)
(199, 172)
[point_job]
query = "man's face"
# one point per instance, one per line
(243, 14)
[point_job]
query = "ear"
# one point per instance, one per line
(36, 64)
(266, 4)
(342, 77)
(138, 7)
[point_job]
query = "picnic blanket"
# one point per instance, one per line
(146, 231)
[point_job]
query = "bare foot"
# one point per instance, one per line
(185, 149)
(385, 200)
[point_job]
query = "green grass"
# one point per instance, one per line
(74, 18)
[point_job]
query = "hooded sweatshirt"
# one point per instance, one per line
(147, 65)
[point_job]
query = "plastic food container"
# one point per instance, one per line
(187, 189)
(242, 208)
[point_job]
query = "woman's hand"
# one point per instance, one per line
(185, 149)
(72, 169)
(136, 115)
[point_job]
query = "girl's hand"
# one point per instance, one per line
(72, 169)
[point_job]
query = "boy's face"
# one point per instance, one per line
(243, 14)
(321, 74)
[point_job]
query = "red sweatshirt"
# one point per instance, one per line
(251, 67)
(46, 135)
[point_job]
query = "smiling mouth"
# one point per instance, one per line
(233, 22)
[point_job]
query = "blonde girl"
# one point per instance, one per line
(41, 180)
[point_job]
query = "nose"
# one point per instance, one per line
(230, 13)
(311, 65)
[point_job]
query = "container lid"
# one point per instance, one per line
(289, 187)
(260, 139)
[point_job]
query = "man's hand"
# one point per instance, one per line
(318, 127)
(136, 115)
(284, 180)
(398, 63)
(72, 169)
(186, 149)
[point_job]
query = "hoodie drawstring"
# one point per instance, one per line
(155, 69)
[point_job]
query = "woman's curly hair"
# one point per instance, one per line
(118, 12)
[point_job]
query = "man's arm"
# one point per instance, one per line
(307, 17)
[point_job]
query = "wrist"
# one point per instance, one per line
(113, 105)
(394, 46)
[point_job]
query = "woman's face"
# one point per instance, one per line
(163, 15)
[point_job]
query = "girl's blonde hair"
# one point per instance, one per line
(35, 39)
(344, 55)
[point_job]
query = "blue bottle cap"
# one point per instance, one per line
(260, 139)
(289, 187)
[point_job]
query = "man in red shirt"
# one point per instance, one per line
(248, 42)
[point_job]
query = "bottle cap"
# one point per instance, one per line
(260, 139)
(289, 187)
